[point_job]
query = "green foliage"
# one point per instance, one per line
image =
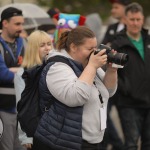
(145, 4)
(44, 2)
(88, 6)
(83, 7)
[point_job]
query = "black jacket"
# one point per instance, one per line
(134, 78)
(110, 33)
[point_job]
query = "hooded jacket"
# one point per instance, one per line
(7, 60)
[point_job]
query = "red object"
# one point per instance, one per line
(82, 20)
(56, 16)
(20, 59)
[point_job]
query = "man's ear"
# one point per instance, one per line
(5, 22)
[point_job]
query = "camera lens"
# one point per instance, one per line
(124, 59)
(118, 58)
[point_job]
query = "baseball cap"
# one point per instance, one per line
(8, 13)
(123, 2)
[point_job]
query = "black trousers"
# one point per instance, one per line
(89, 146)
(37, 145)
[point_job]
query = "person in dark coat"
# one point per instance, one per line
(118, 12)
(134, 79)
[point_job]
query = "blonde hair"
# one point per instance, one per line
(32, 56)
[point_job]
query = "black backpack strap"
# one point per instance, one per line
(2, 51)
(59, 58)
(54, 59)
(76, 67)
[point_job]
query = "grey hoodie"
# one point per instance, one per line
(73, 92)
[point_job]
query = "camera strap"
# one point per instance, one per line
(100, 96)
(103, 113)
(101, 99)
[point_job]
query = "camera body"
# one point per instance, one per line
(117, 58)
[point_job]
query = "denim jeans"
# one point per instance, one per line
(135, 123)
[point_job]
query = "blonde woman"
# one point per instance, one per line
(38, 46)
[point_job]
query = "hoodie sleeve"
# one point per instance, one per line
(66, 86)
(6, 76)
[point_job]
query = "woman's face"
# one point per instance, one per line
(81, 53)
(44, 49)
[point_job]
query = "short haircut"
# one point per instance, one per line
(134, 8)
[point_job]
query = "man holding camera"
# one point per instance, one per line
(134, 79)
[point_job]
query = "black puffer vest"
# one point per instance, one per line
(60, 126)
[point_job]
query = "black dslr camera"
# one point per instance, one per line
(117, 58)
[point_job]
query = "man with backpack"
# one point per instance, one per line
(11, 54)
